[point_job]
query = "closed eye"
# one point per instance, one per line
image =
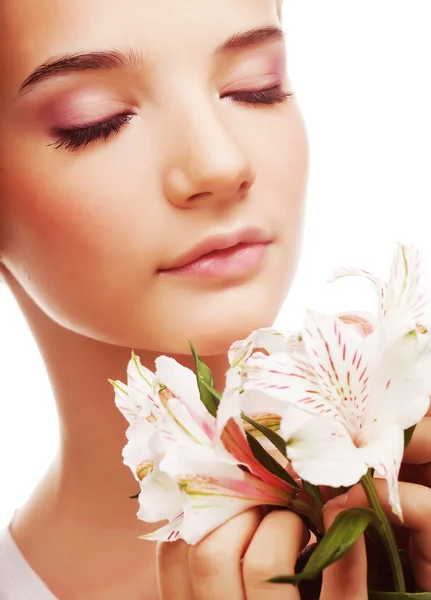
(79, 137)
(268, 96)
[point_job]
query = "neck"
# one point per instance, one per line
(84, 497)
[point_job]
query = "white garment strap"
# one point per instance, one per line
(18, 581)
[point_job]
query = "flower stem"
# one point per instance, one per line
(386, 532)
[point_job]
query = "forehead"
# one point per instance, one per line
(33, 31)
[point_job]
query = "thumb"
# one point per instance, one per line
(347, 578)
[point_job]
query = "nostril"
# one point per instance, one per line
(245, 186)
(199, 196)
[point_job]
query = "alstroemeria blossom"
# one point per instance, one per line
(266, 340)
(159, 497)
(189, 473)
(359, 401)
(404, 300)
(261, 410)
(214, 489)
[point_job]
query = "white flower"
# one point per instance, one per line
(262, 410)
(266, 340)
(189, 474)
(214, 489)
(360, 396)
(139, 403)
(403, 300)
(136, 398)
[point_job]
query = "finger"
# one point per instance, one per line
(173, 571)
(215, 563)
(418, 452)
(273, 551)
(416, 506)
(415, 503)
(347, 578)
(424, 475)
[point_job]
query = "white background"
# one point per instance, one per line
(362, 72)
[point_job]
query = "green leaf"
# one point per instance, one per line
(274, 467)
(205, 380)
(347, 527)
(135, 496)
(399, 595)
(408, 434)
(271, 435)
(268, 461)
(213, 391)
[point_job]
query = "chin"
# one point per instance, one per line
(218, 341)
(213, 332)
(212, 319)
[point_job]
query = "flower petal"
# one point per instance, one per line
(379, 284)
(136, 398)
(412, 412)
(142, 445)
(266, 340)
(167, 533)
(123, 402)
(400, 381)
(407, 295)
(364, 323)
(215, 489)
(210, 503)
(252, 402)
(204, 514)
(384, 454)
(335, 352)
(160, 497)
(182, 383)
(290, 379)
(330, 381)
(179, 426)
(321, 450)
(183, 461)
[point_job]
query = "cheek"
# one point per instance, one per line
(69, 231)
(290, 153)
(286, 166)
(80, 213)
(288, 170)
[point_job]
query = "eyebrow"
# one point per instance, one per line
(119, 59)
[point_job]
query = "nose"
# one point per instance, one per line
(208, 163)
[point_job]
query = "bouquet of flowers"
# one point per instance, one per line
(323, 408)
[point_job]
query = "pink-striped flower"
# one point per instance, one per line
(352, 399)
(190, 474)
(264, 411)
(403, 300)
(138, 401)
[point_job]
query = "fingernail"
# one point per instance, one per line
(339, 500)
(343, 498)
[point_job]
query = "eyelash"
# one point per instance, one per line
(79, 137)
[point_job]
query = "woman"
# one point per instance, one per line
(153, 172)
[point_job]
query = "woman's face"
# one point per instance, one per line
(171, 130)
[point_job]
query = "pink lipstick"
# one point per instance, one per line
(223, 255)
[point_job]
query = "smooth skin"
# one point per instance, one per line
(83, 236)
(235, 561)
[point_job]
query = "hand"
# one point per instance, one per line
(416, 468)
(233, 562)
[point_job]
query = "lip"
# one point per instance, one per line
(245, 236)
